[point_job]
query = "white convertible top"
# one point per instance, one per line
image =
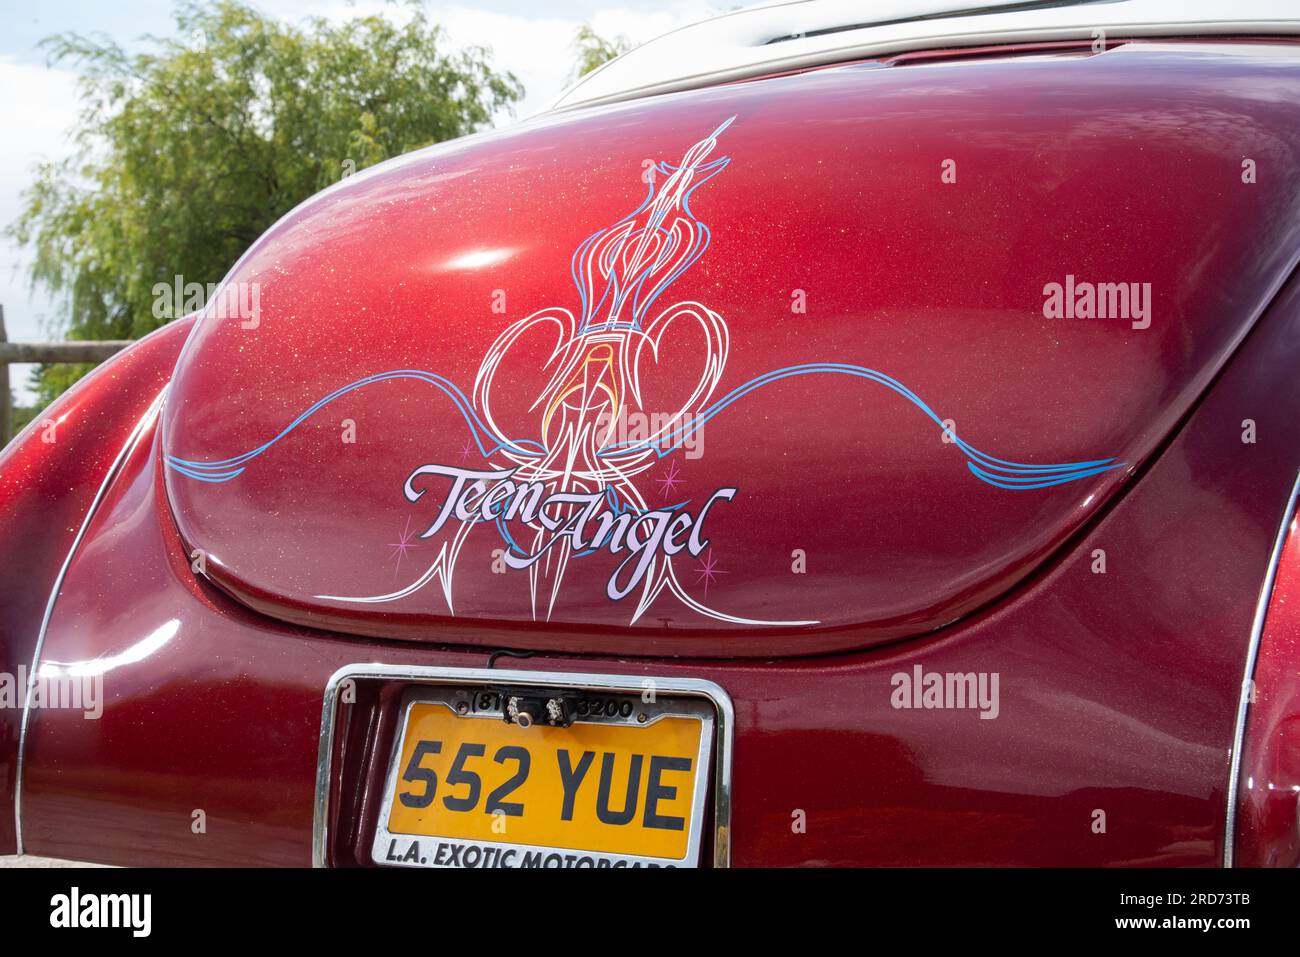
(802, 33)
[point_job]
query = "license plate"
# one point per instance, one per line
(624, 785)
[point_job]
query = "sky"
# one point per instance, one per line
(38, 103)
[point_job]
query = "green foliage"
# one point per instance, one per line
(187, 153)
(22, 414)
(594, 50)
(51, 380)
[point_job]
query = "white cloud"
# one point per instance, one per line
(38, 107)
(537, 49)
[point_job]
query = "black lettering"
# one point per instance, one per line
(416, 773)
(603, 811)
(496, 800)
(457, 776)
(656, 792)
(571, 778)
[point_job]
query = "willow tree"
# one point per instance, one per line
(185, 153)
(593, 50)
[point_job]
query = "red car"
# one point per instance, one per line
(812, 442)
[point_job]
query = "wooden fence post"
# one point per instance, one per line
(96, 350)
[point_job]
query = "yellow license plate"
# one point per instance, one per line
(624, 788)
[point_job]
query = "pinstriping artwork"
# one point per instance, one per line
(574, 487)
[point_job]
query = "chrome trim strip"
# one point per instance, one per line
(691, 687)
(739, 45)
(113, 470)
(1243, 703)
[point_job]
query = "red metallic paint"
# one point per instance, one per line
(1125, 166)
(1269, 797)
(1118, 691)
(48, 478)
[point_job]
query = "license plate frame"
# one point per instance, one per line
(683, 697)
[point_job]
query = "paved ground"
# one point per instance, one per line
(27, 860)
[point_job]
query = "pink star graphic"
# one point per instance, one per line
(465, 452)
(708, 572)
(403, 545)
(670, 480)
